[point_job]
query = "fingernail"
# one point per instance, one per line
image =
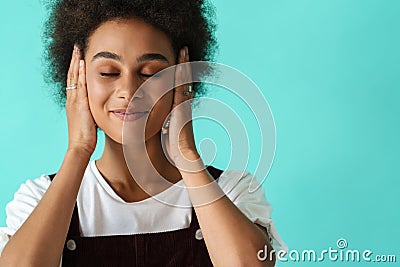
(81, 63)
(186, 51)
(183, 53)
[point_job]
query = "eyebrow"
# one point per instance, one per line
(142, 58)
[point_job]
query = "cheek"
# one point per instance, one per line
(97, 97)
(96, 91)
(159, 113)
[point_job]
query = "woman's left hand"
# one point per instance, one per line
(180, 141)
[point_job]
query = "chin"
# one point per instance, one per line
(117, 138)
(111, 133)
(115, 131)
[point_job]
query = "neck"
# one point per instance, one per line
(112, 164)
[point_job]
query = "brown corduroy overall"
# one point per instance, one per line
(183, 247)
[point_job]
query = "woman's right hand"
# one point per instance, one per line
(82, 132)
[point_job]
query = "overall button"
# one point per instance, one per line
(199, 234)
(71, 245)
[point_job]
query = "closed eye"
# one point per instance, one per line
(105, 74)
(156, 75)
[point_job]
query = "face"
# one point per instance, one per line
(121, 56)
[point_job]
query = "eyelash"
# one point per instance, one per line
(104, 74)
(108, 74)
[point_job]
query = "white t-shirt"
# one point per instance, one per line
(102, 212)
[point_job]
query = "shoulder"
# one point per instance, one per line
(237, 186)
(236, 183)
(245, 190)
(25, 200)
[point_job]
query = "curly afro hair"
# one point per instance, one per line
(190, 23)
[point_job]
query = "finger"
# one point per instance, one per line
(182, 75)
(188, 77)
(72, 76)
(82, 90)
(188, 69)
(75, 67)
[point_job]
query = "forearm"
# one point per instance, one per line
(40, 239)
(231, 238)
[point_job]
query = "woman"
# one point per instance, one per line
(95, 213)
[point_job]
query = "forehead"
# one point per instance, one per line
(129, 37)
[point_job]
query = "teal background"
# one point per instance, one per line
(330, 72)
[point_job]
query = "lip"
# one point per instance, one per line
(125, 115)
(125, 110)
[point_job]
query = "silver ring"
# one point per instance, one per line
(71, 87)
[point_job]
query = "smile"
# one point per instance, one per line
(129, 116)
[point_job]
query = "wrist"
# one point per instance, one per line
(190, 162)
(81, 153)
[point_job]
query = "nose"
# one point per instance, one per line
(127, 88)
